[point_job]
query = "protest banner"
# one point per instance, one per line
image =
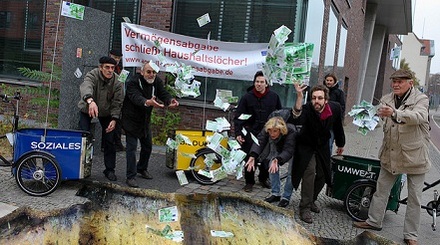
(208, 58)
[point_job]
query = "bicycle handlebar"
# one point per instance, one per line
(6, 97)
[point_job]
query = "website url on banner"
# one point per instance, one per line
(215, 71)
(210, 71)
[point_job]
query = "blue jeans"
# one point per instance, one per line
(276, 183)
(130, 151)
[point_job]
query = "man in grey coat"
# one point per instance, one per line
(404, 151)
(101, 97)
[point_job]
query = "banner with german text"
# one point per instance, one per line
(208, 58)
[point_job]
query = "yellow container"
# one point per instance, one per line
(175, 158)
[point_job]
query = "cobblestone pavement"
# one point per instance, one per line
(332, 222)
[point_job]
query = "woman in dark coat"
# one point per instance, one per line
(336, 95)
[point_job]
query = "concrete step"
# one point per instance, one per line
(6, 209)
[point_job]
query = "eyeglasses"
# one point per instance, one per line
(108, 67)
(150, 71)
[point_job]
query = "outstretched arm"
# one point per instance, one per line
(296, 110)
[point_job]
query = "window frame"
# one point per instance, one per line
(285, 92)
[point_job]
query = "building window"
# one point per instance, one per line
(118, 9)
(33, 21)
(239, 21)
(335, 50)
(5, 19)
(341, 53)
(21, 28)
(331, 41)
(32, 31)
(315, 18)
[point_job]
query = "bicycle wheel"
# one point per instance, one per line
(199, 163)
(38, 174)
(358, 199)
(433, 205)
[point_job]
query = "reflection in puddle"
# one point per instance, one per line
(119, 215)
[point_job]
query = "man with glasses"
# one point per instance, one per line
(101, 97)
(312, 153)
(142, 93)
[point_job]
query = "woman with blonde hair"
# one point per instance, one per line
(276, 147)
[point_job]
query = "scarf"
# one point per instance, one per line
(326, 113)
(260, 95)
(399, 101)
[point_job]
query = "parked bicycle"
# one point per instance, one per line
(354, 182)
(42, 157)
(9, 136)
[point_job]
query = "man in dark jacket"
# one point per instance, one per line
(259, 102)
(140, 98)
(312, 153)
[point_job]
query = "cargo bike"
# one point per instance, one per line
(354, 182)
(42, 157)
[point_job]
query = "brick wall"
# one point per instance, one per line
(353, 16)
(157, 14)
(324, 41)
(50, 35)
